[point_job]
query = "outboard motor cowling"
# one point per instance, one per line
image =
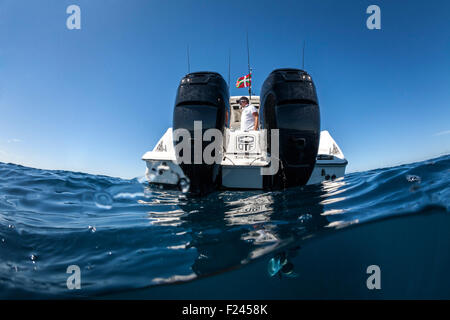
(289, 103)
(201, 96)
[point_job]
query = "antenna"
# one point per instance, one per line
(229, 67)
(303, 62)
(188, 61)
(249, 70)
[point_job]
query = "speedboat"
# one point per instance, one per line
(206, 150)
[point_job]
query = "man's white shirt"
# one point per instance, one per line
(247, 118)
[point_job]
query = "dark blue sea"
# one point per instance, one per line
(315, 242)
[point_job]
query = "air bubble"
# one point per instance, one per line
(103, 200)
(305, 217)
(412, 178)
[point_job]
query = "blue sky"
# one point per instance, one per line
(96, 99)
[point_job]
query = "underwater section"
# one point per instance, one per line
(134, 241)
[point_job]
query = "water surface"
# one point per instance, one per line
(130, 240)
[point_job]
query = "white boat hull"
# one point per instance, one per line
(241, 170)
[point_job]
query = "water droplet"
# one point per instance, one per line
(413, 178)
(33, 258)
(109, 253)
(3, 240)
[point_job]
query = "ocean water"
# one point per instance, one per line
(133, 241)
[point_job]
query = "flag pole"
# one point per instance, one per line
(249, 71)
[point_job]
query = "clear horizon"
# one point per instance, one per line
(95, 100)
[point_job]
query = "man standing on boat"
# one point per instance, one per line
(249, 115)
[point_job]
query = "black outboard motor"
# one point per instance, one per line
(289, 103)
(201, 96)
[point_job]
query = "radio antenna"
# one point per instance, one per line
(249, 70)
(229, 67)
(188, 60)
(303, 58)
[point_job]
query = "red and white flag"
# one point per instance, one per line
(244, 82)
